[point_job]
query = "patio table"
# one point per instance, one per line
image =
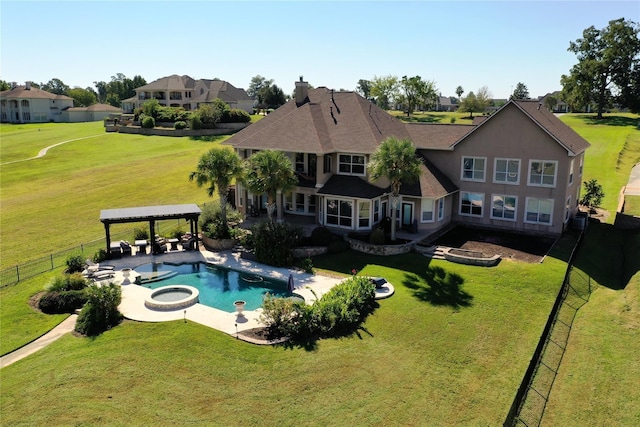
(174, 244)
(141, 246)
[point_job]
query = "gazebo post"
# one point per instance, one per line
(152, 235)
(108, 235)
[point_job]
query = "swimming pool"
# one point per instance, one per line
(219, 287)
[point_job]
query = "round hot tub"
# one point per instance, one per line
(174, 297)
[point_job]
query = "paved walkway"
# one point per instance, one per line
(633, 186)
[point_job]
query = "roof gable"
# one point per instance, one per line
(545, 120)
(21, 92)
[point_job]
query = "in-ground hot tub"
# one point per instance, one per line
(174, 297)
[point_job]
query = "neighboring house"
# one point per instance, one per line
(445, 103)
(188, 93)
(561, 106)
(28, 104)
(519, 169)
(93, 113)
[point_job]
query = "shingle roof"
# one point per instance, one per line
(21, 92)
(563, 134)
(97, 107)
(350, 186)
(174, 83)
(433, 136)
(330, 122)
(548, 122)
(221, 89)
(433, 183)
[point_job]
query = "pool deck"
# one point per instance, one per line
(133, 296)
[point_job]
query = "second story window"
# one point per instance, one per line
(327, 164)
(473, 168)
(507, 171)
(299, 162)
(351, 164)
(542, 173)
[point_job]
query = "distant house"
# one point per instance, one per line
(560, 107)
(446, 103)
(519, 169)
(93, 113)
(28, 104)
(188, 93)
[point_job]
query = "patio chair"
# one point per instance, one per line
(125, 247)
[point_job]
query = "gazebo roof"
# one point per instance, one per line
(149, 213)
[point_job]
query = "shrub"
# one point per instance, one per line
(148, 122)
(150, 108)
(337, 246)
(140, 234)
(62, 302)
(68, 282)
(99, 256)
(180, 125)
(235, 115)
(75, 264)
(452, 120)
(321, 236)
(211, 220)
(377, 237)
(593, 194)
(100, 313)
(338, 312)
(195, 122)
(273, 242)
(307, 265)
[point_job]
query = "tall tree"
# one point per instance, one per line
(4, 85)
(257, 84)
(473, 104)
(56, 86)
(607, 62)
(459, 92)
(273, 97)
(417, 92)
(82, 97)
(384, 90)
(520, 92)
(550, 102)
(217, 168)
(484, 96)
(395, 159)
(364, 88)
(270, 172)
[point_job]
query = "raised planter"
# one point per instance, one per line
(461, 256)
(217, 245)
(305, 251)
(384, 250)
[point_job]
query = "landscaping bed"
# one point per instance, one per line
(512, 246)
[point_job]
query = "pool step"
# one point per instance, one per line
(156, 276)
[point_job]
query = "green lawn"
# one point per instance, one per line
(414, 361)
(632, 205)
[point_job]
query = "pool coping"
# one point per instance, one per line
(133, 296)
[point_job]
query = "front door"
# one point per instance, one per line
(407, 214)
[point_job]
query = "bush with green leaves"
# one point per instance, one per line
(75, 264)
(140, 234)
(235, 115)
(99, 256)
(211, 220)
(100, 313)
(148, 122)
(321, 236)
(274, 241)
(150, 108)
(593, 194)
(62, 301)
(195, 122)
(68, 282)
(179, 125)
(377, 237)
(338, 312)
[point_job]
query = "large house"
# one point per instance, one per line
(28, 104)
(188, 93)
(519, 169)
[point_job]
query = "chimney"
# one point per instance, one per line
(27, 85)
(13, 85)
(302, 92)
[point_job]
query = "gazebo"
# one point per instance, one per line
(190, 212)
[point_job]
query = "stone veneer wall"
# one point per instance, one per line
(383, 250)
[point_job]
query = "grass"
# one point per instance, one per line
(413, 361)
(632, 205)
(615, 148)
(75, 181)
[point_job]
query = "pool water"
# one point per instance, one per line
(219, 287)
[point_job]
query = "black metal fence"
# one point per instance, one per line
(11, 276)
(531, 398)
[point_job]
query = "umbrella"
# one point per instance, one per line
(290, 285)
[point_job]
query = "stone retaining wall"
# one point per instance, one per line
(222, 129)
(383, 250)
(470, 260)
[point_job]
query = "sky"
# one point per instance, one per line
(496, 44)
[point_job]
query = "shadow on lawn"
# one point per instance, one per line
(442, 288)
(609, 120)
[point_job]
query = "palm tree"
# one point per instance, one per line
(217, 168)
(395, 159)
(270, 172)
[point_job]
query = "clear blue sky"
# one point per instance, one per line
(469, 43)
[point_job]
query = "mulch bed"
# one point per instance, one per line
(512, 246)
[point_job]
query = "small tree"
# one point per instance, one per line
(593, 195)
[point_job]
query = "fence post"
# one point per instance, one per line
(18, 272)
(51, 256)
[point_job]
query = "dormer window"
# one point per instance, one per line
(351, 164)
